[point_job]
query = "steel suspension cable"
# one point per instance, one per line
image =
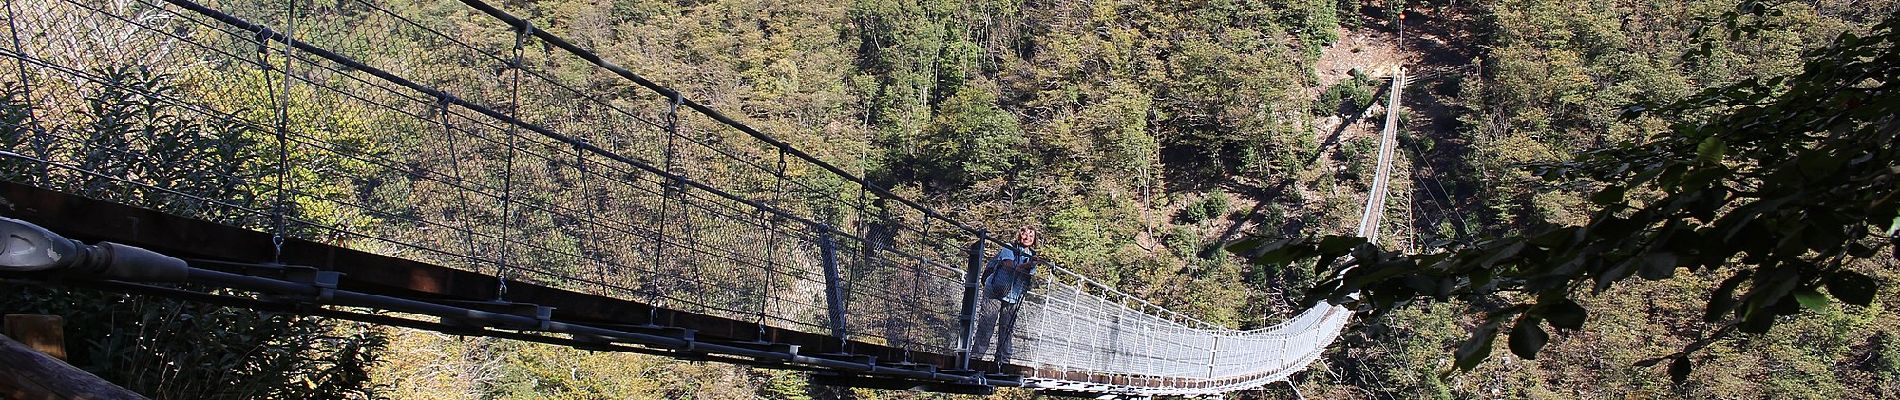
(675, 181)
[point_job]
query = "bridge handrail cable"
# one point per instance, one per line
(1167, 342)
(549, 37)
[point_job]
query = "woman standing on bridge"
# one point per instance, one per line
(1005, 280)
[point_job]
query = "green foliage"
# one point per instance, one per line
(131, 129)
(166, 348)
(1784, 192)
(971, 140)
(1079, 231)
(939, 124)
(1315, 22)
(785, 385)
(1346, 97)
(1404, 349)
(1358, 155)
(1212, 206)
(1076, 114)
(127, 131)
(16, 118)
(1887, 357)
(1182, 241)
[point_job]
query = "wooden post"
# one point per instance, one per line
(42, 333)
(29, 374)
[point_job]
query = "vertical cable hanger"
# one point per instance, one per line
(689, 232)
(690, 229)
(917, 294)
(280, 203)
(770, 223)
(669, 186)
(587, 205)
(461, 184)
(508, 161)
(589, 224)
(870, 246)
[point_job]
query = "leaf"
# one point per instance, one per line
(1723, 299)
(1420, 284)
(1607, 277)
(1711, 150)
(1757, 320)
(1633, 111)
(1679, 370)
(1658, 265)
(1858, 250)
(1609, 195)
(1615, 227)
(1555, 237)
(1502, 254)
(1528, 337)
(1651, 362)
(1339, 244)
(1280, 252)
(1566, 314)
(1246, 245)
(1810, 299)
(1852, 287)
(1817, 163)
(1476, 348)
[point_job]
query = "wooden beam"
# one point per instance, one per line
(42, 333)
(31, 375)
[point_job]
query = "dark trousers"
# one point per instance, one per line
(999, 317)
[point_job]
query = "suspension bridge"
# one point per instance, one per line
(467, 192)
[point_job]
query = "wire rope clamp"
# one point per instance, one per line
(655, 330)
(263, 37)
(325, 282)
(865, 362)
(784, 351)
(593, 342)
(1003, 379)
(920, 367)
(542, 315)
(525, 30)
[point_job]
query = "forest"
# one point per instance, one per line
(1144, 137)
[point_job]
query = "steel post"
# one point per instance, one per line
(834, 284)
(1213, 357)
(967, 316)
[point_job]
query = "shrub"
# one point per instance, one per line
(1347, 96)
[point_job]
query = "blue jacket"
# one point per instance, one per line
(1008, 284)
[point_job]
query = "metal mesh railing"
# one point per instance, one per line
(502, 149)
(1079, 335)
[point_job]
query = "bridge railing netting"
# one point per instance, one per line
(448, 135)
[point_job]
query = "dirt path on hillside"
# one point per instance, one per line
(1435, 61)
(1434, 57)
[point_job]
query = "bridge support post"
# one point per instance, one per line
(834, 284)
(1213, 357)
(967, 316)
